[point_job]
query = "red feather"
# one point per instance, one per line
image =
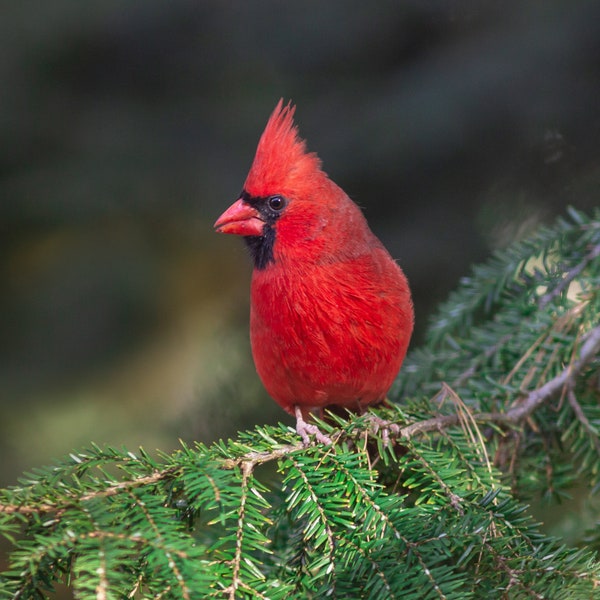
(281, 164)
(331, 312)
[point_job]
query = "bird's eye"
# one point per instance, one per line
(277, 203)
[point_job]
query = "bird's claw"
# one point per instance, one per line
(386, 428)
(304, 430)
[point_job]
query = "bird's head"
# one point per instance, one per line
(286, 197)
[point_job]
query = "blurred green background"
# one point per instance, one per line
(126, 128)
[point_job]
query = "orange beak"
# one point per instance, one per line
(240, 219)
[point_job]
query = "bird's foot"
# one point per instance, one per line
(386, 428)
(304, 430)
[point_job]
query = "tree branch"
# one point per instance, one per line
(591, 255)
(70, 500)
(527, 406)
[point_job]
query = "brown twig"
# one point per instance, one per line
(534, 399)
(570, 276)
(112, 490)
(530, 402)
(582, 418)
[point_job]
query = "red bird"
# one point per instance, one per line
(331, 313)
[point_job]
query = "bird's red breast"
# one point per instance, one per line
(331, 311)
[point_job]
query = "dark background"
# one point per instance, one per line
(126, 128)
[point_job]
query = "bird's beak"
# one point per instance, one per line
(240, 219)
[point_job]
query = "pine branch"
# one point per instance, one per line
(570, 276)
(522, 408)
(111, 490)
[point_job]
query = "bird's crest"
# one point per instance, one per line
(281, 164)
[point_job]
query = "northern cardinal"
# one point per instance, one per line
(331, 312)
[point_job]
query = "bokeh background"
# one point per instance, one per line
(126, 128)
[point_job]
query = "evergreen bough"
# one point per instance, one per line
(421, 499)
